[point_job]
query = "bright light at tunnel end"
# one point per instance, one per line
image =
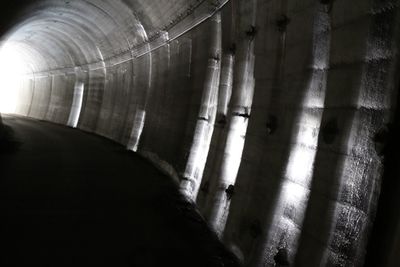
(11, 68)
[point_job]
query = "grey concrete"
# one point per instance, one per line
(269, 113)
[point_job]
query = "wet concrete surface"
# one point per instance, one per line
(69, 198)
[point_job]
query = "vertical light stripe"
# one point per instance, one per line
(76, 105)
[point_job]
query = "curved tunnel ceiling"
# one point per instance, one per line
(57, 34)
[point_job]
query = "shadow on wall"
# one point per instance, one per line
(383, 248)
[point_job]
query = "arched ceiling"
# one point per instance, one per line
(59, 34)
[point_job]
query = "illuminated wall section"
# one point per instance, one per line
(217, 145)
(135, 119)
(222, 176)
(221, 126)
(137, 130)
(193, 173)
(142, 84)
(217, 208)
(25, 95)
(292, 199)
(272, 187)
(76, 105)
(348, 164)
(41, 97)
(61, 98)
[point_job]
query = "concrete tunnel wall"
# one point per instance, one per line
(266, 111)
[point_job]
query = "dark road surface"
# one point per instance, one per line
(69, 198)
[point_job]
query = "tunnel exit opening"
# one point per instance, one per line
(12, 67)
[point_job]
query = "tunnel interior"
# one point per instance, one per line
(276, 119)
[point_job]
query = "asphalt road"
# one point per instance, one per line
(69, 198)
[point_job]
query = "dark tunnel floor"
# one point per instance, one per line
(69, 198)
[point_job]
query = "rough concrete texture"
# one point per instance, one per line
(269, 111)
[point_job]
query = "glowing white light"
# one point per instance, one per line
(229, 171)
(11, 68)
(76, 105)
(234, 149)
(197, 158)
(300, 164)
(299, 169)
(315, 96)
(204, 130)
(137, 130)
(301, 159)
(295, 195)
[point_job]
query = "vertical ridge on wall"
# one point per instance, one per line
(223, 177)
(93, 97)
(76, 107)
(284, 230)
(205, 122)
(217, 142)
(281, 73)
(142, 70)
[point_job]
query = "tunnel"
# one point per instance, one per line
(233, 132)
